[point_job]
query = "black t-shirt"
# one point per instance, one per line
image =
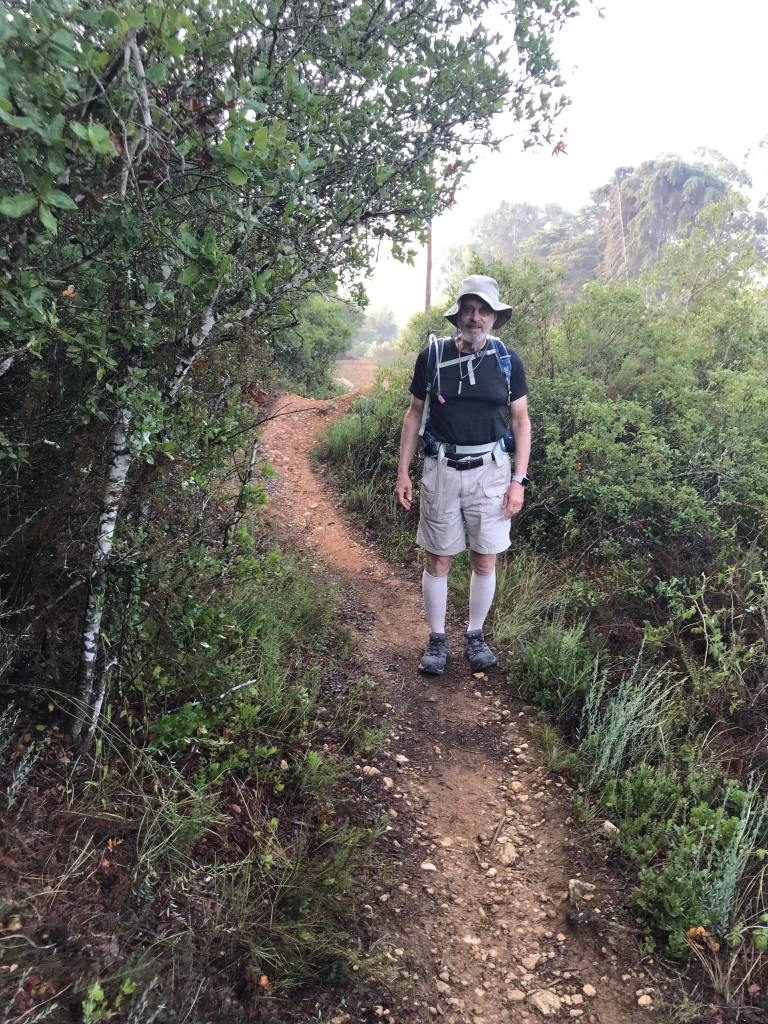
(476, 414)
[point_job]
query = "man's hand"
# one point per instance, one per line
(513, 499)
(404, 491)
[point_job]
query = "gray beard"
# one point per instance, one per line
(471, 344)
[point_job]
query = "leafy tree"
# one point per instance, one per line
(304, 354)
(172, 179)
(622, 231)
(379, 328)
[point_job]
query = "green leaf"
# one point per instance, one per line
(58, 198)
(14, 121)
(157, 73)
(261, 138)
(18, 206)
(90, 17)
(48, 220)
(111, 19)
(174, 46)
(136, 18)
(190, 274)
(236, 176)
(79, 129)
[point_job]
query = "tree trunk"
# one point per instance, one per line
(119, 467)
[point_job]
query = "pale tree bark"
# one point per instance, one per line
(192, 349)
(121, 460)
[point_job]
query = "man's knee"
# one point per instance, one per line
(483, 565)
(438, 565)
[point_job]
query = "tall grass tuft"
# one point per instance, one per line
(554, 669)
(624, 727)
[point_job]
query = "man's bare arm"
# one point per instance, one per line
(521, 428)
(408, 441)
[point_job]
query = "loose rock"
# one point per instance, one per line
(546, 1002)
(609, 829)
(577, 888)
(428, 866)
(507, 855)
(589, 991)
(645, 1001)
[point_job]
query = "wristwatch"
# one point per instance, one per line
(521, 480)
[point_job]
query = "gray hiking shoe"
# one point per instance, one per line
(478, 652)
(434, 658)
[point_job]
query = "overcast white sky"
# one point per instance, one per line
(651, 77)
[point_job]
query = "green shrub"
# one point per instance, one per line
(627, 724)
(555, 668)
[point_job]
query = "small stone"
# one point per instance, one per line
(577, 999)
(470, 940)
(516, 787)
(388, 783)
(402, 759)
(446, 842)
(560, 937)
(609, 829)
(515, 995)
(545, 1001)
(442, 988)
(507, 855)
(490, 873)
(645, 1001)
(589, 991)
(575, 1013)
(479, 992)
(577, 888)
(529, 962)
(369, 771)
(427, 865)
(444, 976)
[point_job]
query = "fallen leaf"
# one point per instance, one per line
(264, 982)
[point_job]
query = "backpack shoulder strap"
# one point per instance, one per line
(434, 356)
(504, 361)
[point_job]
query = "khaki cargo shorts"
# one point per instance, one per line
(464, 500)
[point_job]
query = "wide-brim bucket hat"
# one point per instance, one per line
(485, 288)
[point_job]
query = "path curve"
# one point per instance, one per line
(482, 844)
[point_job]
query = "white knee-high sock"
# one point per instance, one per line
(435, 592)
(481, 591)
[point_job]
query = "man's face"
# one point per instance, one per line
(476, 319)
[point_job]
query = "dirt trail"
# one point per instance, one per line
(482, 843)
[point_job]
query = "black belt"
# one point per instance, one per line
(466, 464)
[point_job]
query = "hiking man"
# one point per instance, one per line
(462, 390)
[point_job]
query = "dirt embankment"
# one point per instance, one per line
(482, 843)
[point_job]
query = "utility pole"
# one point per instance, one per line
(428, 297)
